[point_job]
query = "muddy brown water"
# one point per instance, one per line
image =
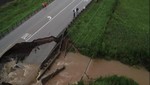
(75, 67)
(24, 75)
(78, 66)
(104, 68)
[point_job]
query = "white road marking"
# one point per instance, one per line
(26, 36)
(49, 17)
(84, 7)
(86, 0)
(50, 21)
(77, 5)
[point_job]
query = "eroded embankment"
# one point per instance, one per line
(10, 60)
(20, 50)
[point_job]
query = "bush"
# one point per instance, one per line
(112, 80)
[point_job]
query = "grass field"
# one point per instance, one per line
(127, 36)
(87, 30)
(112, 80)
(15, 11)
(122, 35)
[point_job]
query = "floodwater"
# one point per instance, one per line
(99, 68)
(75, 67)
(24, 75)
(78, 66)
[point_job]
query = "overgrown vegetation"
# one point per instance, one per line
(121, 34)
(113, 80)
(15, 11)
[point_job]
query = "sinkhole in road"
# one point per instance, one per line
(20, 50)
(11, 58)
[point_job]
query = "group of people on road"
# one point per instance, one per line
(75, 12)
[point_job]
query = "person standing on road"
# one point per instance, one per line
(74, 14)
(77, 10)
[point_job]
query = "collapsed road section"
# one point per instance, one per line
(20, 50)
(17, 57)
(14, 58)
(41, 51)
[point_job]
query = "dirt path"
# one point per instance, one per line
(78, 66)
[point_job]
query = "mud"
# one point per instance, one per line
(79, 66)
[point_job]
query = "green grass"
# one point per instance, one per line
(15, 11)
(112, 80)
(127, 36)
(87, 30)
(122, 35)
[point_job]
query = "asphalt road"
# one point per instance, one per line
(50, 21)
